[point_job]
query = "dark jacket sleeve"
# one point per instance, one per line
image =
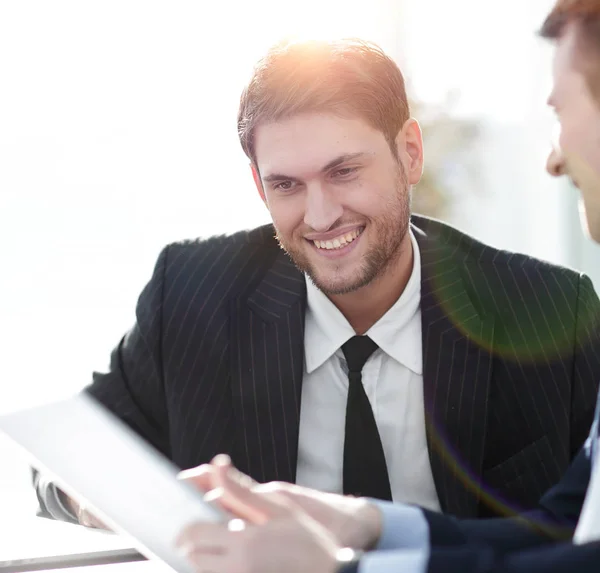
(563, 558)
(523, 545)
(554, 519)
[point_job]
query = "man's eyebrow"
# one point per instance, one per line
(277, 177)
(342, 159)
(333, 163)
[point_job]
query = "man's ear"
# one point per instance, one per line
(410, 150)
(258, 182)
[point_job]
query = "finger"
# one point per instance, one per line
(223, 462)
(85, 519)
(238, 497)
(207, 537)
(88, 519)
(201, 477)
(287, 490)
(95, 523)
(210, 563)
(298, 495)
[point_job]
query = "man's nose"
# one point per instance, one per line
(322, 209)
(555, 165)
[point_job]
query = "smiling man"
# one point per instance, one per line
(350, 346)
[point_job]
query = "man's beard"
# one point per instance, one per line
(389, 231)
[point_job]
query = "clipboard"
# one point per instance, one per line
(95, 457)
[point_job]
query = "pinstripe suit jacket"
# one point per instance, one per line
(527, 544)
(214, 363)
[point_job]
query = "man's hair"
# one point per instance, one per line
(586, 15)
(348, 77)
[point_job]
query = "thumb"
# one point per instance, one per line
(238, 497)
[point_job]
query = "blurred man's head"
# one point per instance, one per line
(575, 27)
(334, 154)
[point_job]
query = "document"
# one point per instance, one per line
(94, 456)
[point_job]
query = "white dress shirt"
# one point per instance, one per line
(393, 381)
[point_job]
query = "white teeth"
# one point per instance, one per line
(338, 242)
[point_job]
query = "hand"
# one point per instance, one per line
(286, 539)
(84, 516)
(353, 522)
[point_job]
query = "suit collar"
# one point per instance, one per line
(281, 287)
(326, 328)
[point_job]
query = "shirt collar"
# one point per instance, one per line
(397, 332)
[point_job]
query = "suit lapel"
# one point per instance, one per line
(457, 346)
(267, 366)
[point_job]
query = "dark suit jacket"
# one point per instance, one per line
(523, 544)
(214, 363)
(565, 558)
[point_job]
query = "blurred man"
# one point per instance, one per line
(303, 530)
(349, 347)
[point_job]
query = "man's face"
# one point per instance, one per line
(577, 152)
(338, 195)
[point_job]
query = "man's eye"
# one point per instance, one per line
(344, 172)
(284, 186)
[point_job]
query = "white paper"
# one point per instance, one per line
(588, 528)
(94, 456)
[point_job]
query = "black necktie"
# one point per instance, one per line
(365, 470)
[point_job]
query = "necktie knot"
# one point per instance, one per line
(357, 351)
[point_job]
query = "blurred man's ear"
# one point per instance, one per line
(555, 164)
(258, 182)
